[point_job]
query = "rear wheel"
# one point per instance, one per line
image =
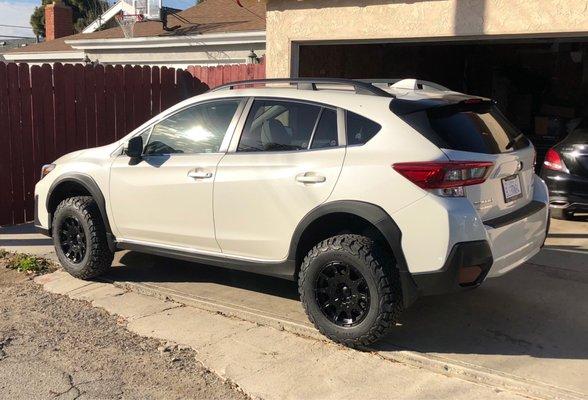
(79, 237)
(350, 290)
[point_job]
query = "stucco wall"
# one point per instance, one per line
(294, 21)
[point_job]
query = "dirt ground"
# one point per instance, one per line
(52, 347)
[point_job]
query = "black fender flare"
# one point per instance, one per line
(88, 183)
(376, 216)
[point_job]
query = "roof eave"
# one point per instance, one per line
(207, 39)
(50, 56)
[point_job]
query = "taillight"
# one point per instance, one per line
(444, 175)
(553, 161)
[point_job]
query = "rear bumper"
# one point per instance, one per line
(446, 280)
(566, 191)
(510, 241)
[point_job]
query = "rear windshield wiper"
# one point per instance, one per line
(514, 140)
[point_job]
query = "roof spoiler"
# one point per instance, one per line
(447, 104)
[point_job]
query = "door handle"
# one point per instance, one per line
(199, 174)
(310, 177)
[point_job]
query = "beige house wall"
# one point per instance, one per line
(293, 21)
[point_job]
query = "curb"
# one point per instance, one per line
(456, 369)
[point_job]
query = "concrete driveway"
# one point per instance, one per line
(528, 327)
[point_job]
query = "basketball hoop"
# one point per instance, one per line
(127, 23)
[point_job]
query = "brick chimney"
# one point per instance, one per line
(58, 20)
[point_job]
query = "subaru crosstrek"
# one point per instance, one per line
(369, 195)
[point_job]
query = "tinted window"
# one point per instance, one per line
(477, 128)
(326, 134)
(360, 129)
(198, 129)
(274, 125)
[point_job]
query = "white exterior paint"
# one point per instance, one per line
(257, 202)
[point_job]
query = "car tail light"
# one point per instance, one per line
(444, 175)
(553, 161)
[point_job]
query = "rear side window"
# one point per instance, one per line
(477, 128)
(360, 129)
(326, 134)
(278, 125)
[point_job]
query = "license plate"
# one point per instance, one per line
(511, 187)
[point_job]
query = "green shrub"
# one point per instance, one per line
(28, 263)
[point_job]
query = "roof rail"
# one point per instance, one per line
(409, 84)
(311, 84)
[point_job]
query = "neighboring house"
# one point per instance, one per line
(529, 55)
(7, 45)
(213, 32)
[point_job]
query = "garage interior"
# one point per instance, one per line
(540, 84)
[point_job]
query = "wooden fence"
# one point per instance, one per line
(48, 111)
(215, 76)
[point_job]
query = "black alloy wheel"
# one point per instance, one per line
(73, 239)
(342, 294)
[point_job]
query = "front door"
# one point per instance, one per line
(286, 163)
(166, 197)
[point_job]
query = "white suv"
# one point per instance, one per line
(369, 195)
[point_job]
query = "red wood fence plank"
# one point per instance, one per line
(109, 116)
(5, 166)
(81, 136)
(129, 90)
(70, 107)
(48, 94)
(59, 92)
(38, 117)
(155, 91)
(15, 132)
(90, 95)
(102, 134)
(29, 162)
(120, 101)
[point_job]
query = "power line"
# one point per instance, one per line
(15, 26)
(16, 37)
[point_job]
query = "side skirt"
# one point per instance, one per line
(283, 270)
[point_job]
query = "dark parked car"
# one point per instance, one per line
(565, 170)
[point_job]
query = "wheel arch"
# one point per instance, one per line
(354, 214)
(78, 184)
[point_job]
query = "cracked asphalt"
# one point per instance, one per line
(53, 347)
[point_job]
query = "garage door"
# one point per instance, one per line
(541, 85)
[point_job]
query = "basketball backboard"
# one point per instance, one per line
(150, 10)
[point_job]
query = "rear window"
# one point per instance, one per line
(478, 128)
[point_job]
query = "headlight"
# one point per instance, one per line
(45, 169)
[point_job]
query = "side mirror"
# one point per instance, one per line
(135, 147)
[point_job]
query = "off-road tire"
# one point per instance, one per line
(98, 257)
(560, 213)
(379, 271)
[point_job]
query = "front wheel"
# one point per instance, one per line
(79, 237)
(350, 289)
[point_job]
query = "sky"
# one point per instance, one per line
(18, 12)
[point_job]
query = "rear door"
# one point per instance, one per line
(475, 130)
(285, 163)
